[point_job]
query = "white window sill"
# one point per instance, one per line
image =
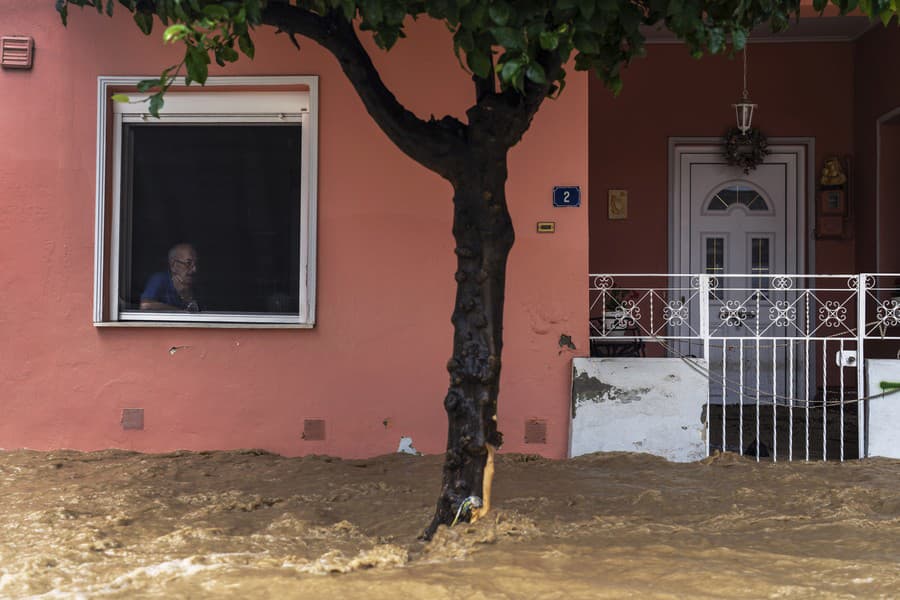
(202, 325)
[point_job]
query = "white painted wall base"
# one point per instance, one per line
(884, 411)
(653, 405)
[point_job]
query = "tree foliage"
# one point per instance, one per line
(512, 39)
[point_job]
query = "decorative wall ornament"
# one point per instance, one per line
(833, 173)
(747, 149)
(832, 206)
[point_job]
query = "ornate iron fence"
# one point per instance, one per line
(784, 353)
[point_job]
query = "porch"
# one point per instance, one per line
(771, 365)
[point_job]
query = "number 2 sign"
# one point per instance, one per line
(566, 196)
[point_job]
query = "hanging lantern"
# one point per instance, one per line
(743, 110)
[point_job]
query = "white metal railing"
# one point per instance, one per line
(784, 352)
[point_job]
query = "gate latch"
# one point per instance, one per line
(845, 358)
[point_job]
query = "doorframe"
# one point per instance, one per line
(879, 123)
(805, 216)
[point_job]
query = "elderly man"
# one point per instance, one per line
(173, 290)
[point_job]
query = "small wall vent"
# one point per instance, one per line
(313, 430)
(132, 418)
(16, 52)
(535, 431)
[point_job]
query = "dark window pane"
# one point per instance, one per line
(715, 255)
(737, 194)
(759, 260)
(757, 203)
(760, 255)
(232, 192)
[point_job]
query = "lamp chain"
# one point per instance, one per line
(746, 95)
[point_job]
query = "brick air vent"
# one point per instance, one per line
(313, 430)
(535, 431)
(16, 52)
(132, 418)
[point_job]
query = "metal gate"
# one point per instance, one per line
(784, 353)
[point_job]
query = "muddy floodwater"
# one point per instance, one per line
(248, 524)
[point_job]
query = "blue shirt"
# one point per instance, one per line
(161, 289)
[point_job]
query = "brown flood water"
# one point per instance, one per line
(256, 525)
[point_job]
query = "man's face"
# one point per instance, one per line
(184, 265)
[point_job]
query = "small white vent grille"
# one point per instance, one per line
(16, 52)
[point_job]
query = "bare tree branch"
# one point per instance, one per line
(436, 144)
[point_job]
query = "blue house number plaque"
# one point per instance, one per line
(566, 196)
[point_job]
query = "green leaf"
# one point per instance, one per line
(254, 11)
(549, 40)
(615, 84)
(463, 40)
(176, 32)
(510, 69)
(608, 5)
(586, 42)
(246, 45)
(819, 5)
(215, 12)
(474, 15)
(716, 40)
(587, 8)
(739, 38)
(479, 63)
(228, 54)
(62, 7)
(146, 84)
(508, 37)
(196, 61)
(499, 13)
(535, 73)
(156, 104)
(144, 22)
(121, 98)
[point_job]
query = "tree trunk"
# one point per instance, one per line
(484, 235)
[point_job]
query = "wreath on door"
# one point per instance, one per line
(745, 150)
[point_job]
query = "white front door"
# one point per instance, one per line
(729, 222)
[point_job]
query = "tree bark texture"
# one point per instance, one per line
(483, 232)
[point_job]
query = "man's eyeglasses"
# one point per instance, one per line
(189, 263)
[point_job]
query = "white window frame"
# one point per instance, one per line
(274, 99)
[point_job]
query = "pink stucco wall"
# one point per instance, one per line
(385, 269)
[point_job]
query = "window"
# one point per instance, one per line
(212, 211)
(737, 194)
(715, 260)
(759, 261)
